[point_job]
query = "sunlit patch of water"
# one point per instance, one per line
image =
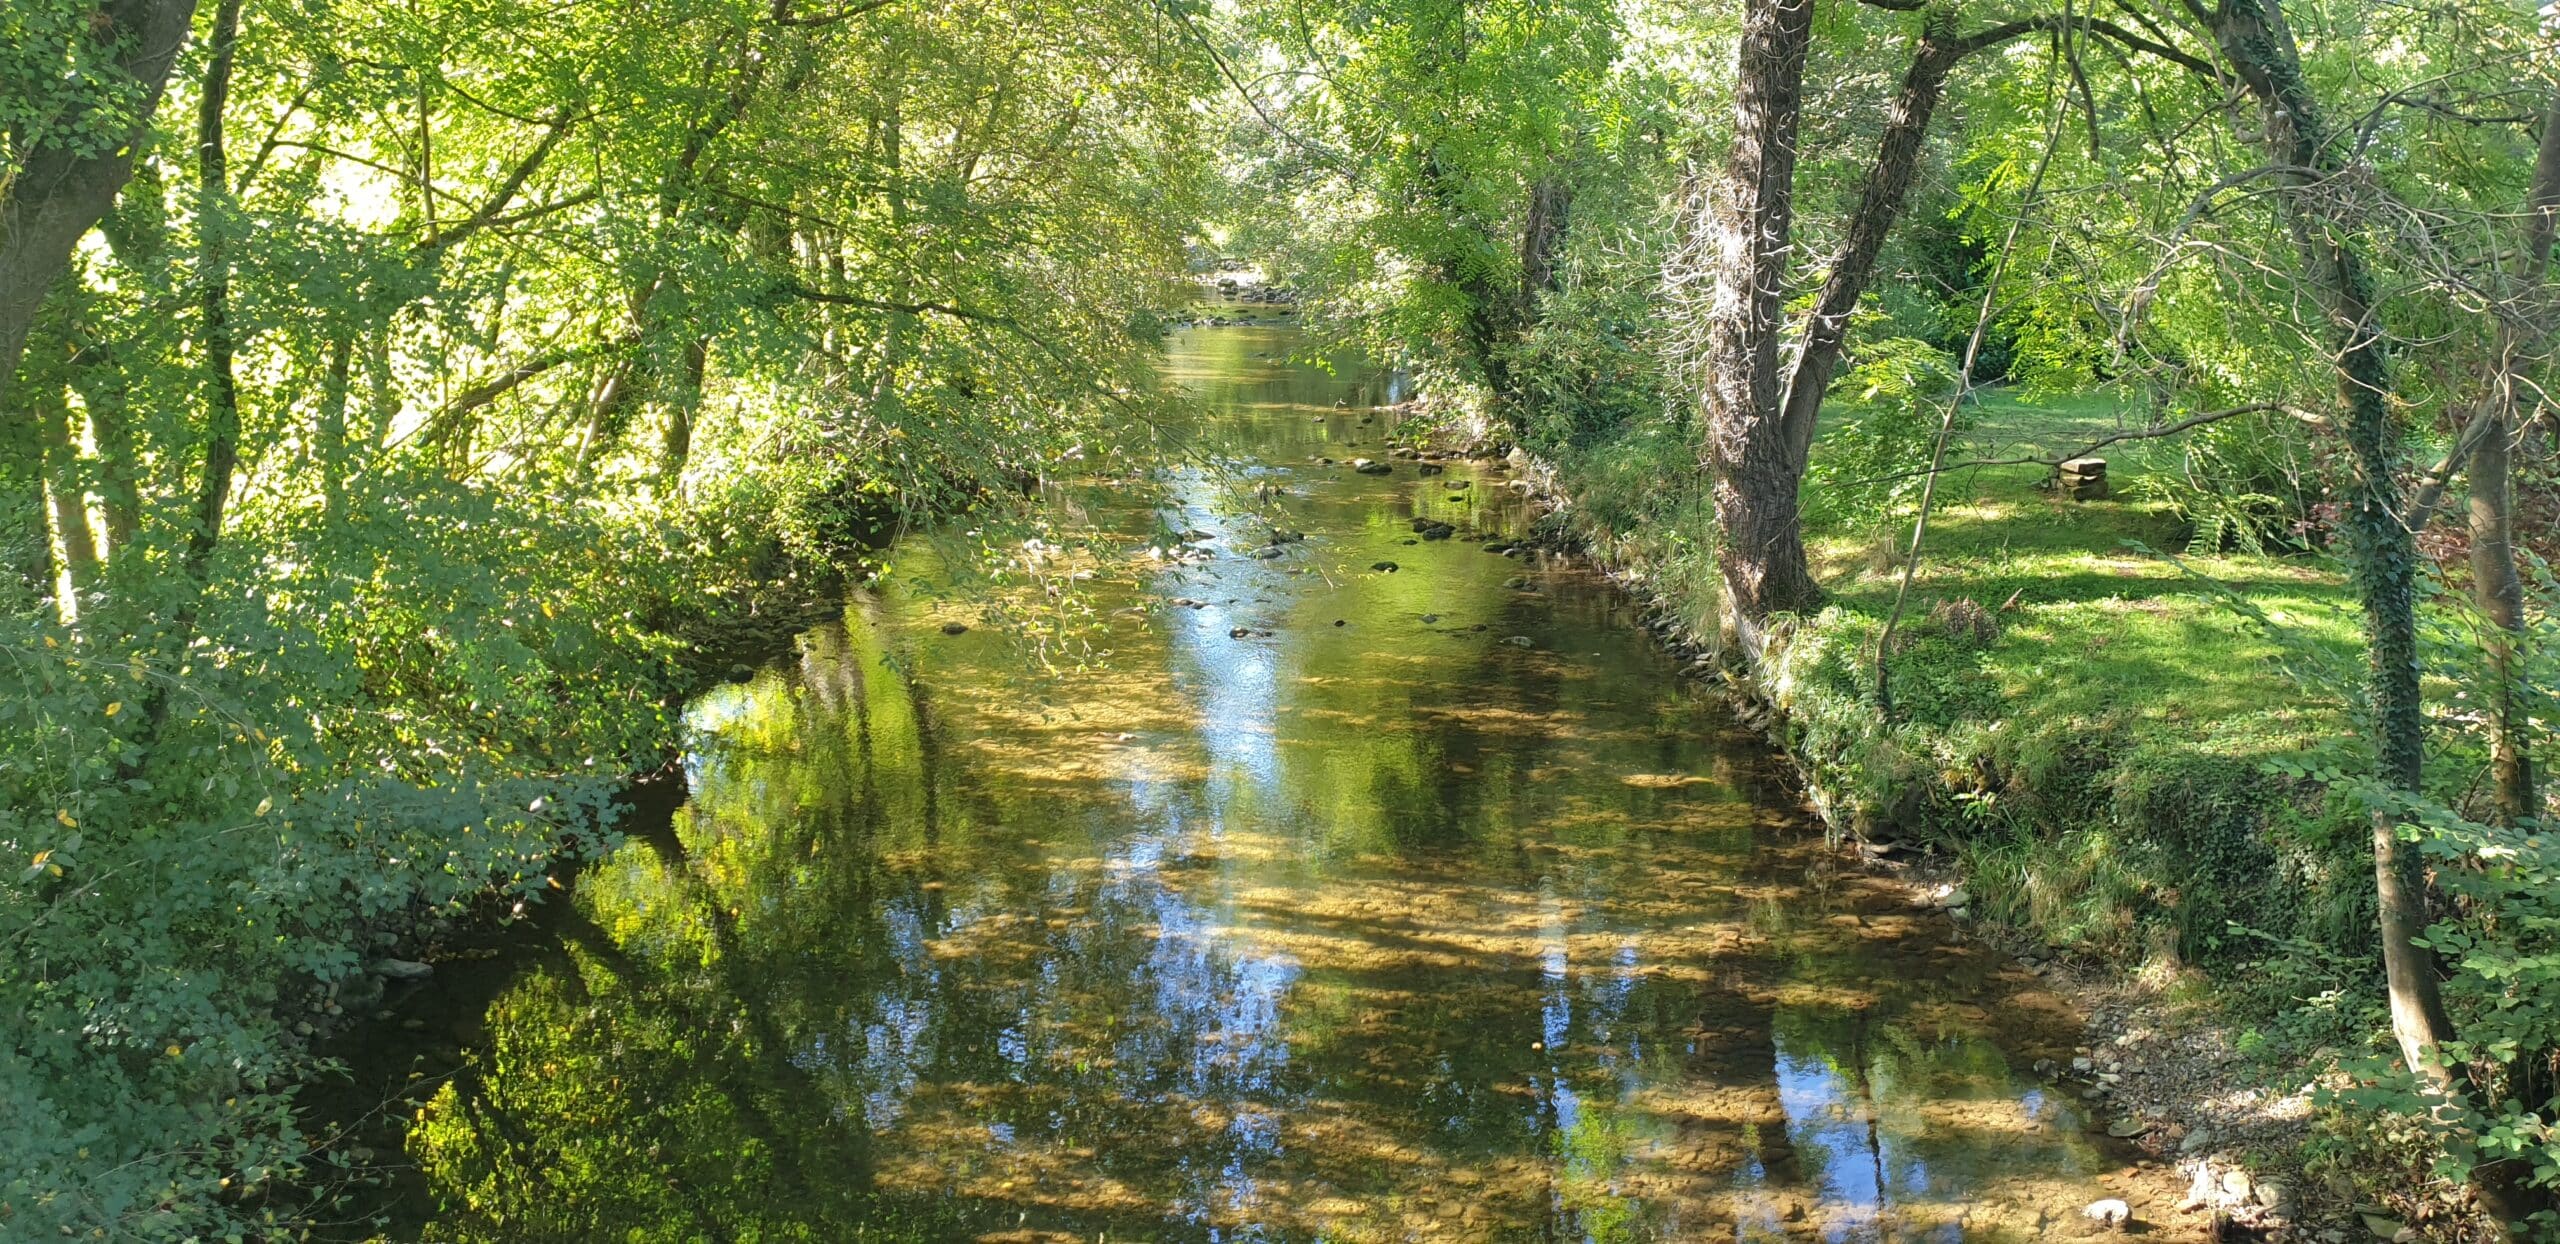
(1462, 919)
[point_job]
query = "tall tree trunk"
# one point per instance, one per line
(1752, 223)
(222, 394)
(330, 440)
(66, 501)
(97, 374)
(2499, 593)
(60, 194)
(678, 446)
(1880, 202)
(213, 276)
(1542, 240)
(2495, 586)
(2383, 550)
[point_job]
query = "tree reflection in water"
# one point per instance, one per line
(1382, 931)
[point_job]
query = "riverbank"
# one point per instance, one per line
(1376, 885)
(2077, 767)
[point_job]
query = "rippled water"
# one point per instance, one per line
(1433, 906)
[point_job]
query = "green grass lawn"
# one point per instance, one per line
(2100, 625)
(2099, 761)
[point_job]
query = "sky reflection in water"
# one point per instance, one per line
(1389, 930)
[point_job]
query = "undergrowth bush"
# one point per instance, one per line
(430, 705)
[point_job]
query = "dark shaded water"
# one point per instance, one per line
(1462, 918)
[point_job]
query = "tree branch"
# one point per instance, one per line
(2162, 50)
(782, 13)
(799, 289)
(507, 190)
(2183, 425)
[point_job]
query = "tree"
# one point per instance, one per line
(1749, 224)
(72, 138)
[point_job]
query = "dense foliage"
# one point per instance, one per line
(443, 373)
(2296, 259)
(408, 391)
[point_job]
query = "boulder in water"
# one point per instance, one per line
(1367, 466)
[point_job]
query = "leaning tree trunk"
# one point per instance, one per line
(1751, 222)
(61, 193)
(1881, 199)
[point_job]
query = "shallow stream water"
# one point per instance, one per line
(1332, 903)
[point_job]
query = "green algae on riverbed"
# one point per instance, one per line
(1393, 929)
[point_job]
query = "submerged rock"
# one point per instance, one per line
(1371, 466)
(402, 969)
(1384, 567)
(955, 628)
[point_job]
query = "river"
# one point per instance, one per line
(1295, 899)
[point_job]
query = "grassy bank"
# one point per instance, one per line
(2094, 724)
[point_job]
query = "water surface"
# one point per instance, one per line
(1433, 905)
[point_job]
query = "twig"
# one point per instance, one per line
(1964, 384)
(2084, 451)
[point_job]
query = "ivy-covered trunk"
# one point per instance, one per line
(2381, 546)
(214, 213)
